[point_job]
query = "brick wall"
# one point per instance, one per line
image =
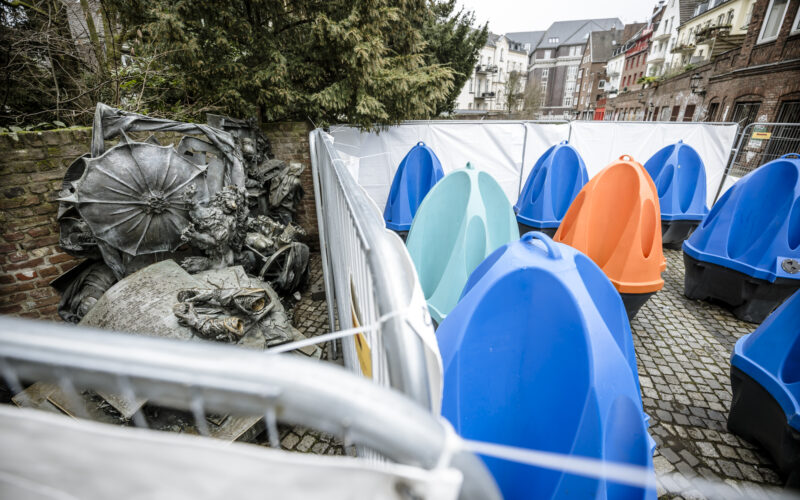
(32, 166)
(290, 143)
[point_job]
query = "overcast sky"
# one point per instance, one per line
(532, 15)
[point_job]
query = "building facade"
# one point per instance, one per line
(592, 77)
(665, 35)
(555, 61)
(635, 65)
(487, 87)
(756, 82)
(715, 27)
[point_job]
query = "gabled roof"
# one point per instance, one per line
(575, 32)
(532, 38)
(491, 41)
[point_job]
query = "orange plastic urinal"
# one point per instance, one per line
(616, 221)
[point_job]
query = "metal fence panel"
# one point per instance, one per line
(757, 144)
(371, 281)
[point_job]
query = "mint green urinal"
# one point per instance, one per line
(464, 218)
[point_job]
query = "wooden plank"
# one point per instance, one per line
(124, 406)
(235, 428)
(36, 396)
(81, 406)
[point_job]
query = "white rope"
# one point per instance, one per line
(632, 475)
(320, 339)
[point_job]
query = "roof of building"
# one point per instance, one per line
(575, 32)
(491, 40)
(513, 45)
(532, 38)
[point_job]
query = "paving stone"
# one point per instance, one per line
(683, 352)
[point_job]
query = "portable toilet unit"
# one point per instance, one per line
(680, 178)
(615, 221)
(746, 253)
(419, 171)
(556, 179)
(464, 218)
(765, 378)
(538, 354)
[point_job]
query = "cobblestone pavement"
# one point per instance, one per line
(310, 316)
(683, 349)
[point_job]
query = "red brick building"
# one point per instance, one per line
(759, 81)
(636, 60)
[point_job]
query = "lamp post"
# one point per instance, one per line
(695, 84)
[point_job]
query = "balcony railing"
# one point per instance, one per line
(486, 68)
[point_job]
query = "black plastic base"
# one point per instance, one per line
(402, 234)
(524, 228)
(675, 232)
(758, 418)
(633, 302)
(749, 299)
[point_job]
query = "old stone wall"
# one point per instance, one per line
(31, 168)
(32, 165)
(290, 143)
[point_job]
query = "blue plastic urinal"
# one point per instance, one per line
(765, 377)
(538, 354)
(419, 171)
(680, 178)
(746, 253)
(556, 178)
(464, 218)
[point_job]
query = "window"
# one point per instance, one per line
(469, 106)
(789, 112)
(773, 20)
(470, 86)
(688, 115)
(796, 23)
(501, 55)
(552, 39)
(729, 22)
(713, 109)
(676, 110)
(545, 73)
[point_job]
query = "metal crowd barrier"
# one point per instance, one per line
(204, 377)
(370, 280)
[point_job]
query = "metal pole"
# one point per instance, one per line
(326, 273)
(230, 379)
(734, 155)
(522, 164)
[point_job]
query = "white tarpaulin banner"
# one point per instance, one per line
(496, 147)
(600, 143)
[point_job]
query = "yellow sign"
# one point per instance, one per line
(761, 135)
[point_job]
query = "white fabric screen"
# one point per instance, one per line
(497, 147)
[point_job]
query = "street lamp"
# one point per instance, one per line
(695, 83)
